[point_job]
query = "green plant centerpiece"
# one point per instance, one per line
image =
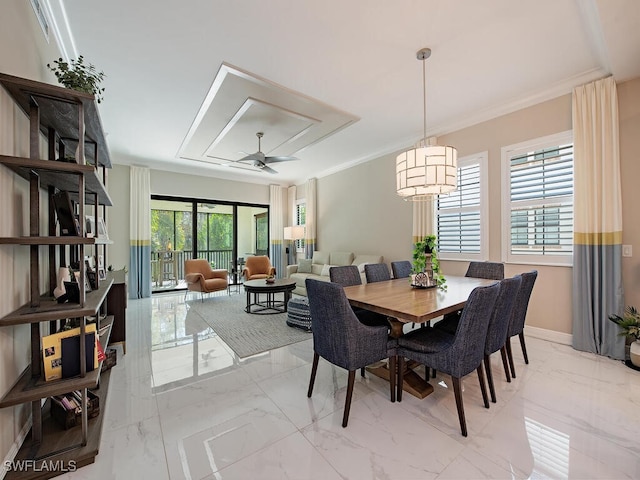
(629, 325)
(78, 75)
(423, 251)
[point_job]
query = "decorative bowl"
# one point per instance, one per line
(270, 280)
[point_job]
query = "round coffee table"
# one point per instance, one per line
(271, 305)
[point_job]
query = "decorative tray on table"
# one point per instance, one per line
(423, 286)
(422, 280)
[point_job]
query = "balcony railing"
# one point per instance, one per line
(167, 267)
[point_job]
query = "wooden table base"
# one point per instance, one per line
(412, 383)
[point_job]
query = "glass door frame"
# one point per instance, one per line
(194, 224)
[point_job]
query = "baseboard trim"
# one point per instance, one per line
(550, 335)
(13, 451)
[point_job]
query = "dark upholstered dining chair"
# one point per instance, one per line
(401, 269)
(519, 316)
(347, 276)
(488, 270)
(498, 327)
(456, 355)
(342, 340)
(376, 272)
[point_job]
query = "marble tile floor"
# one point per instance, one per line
(181, 405)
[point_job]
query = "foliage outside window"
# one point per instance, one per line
(538, 201)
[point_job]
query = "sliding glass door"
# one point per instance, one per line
(215, 234)
(225, 234)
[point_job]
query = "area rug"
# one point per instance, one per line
(245, 334)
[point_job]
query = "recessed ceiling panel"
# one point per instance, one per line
(240, 104)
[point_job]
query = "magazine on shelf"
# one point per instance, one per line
(52, 354)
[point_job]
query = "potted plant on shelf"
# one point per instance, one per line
(629, 325)
(425, 251)
(78, 75)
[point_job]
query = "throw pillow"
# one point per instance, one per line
(304, 265)
(325, 270)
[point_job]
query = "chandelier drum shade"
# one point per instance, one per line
(426, 170)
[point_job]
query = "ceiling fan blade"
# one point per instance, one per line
(279, 159)
(267, 168)
(254, 157)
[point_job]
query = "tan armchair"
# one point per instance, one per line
(258, 267)
(200, 277)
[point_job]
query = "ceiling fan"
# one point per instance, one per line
(261, 161)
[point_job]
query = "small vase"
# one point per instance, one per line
(634, 353)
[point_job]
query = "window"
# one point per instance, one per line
(538, 201)
(460, 215)
(301, 218)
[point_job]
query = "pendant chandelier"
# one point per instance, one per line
(426, 170)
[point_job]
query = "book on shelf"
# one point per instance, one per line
(54, 358)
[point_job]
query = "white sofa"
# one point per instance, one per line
(321, 263)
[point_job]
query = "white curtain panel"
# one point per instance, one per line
(140, 228)
(276, 228)
(597, 254)
(422, 219)
(310, 221)
(292, 192)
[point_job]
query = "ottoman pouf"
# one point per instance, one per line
(298, 314)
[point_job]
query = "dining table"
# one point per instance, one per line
(404, 304)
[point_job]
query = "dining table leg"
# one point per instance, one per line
(412, 383)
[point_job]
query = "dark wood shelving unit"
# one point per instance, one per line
(63, 175)
(29, 388)
(40, 240)
(49, 309)
(58, 108)
(59, 114)
(54, 439)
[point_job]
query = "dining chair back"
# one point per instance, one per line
(346, 275)
(401, 269)
(341, 339)
(456, 355)
(490, 270)
(516, 327)
(376, 272)
(498, 327)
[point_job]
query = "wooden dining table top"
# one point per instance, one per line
(398, 299)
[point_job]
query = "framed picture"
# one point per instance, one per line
(90, 226)
(64, 210)
(102, 229)
(102, 275)
(92, 279)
